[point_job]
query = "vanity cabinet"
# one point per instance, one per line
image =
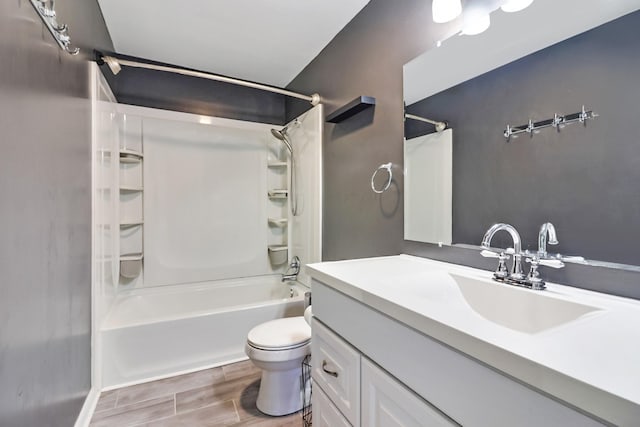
(350, 390)
(388, 374)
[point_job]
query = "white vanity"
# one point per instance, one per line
(406, 341)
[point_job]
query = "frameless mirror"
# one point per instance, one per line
(547, 60)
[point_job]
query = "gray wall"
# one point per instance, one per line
(167, 91)
(45, 188)
(366, 58)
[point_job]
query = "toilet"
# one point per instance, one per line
(278, 347)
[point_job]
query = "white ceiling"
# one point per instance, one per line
(264, 41)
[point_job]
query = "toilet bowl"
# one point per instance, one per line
(278, 347)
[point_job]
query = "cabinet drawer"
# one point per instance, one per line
(336, 369)
(325, 414)
(387, 403)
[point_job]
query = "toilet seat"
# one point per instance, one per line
(280, 334)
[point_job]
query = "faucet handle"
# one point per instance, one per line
(502, 272)
(489, 254)
(533, 278)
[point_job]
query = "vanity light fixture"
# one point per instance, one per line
(475, 23)
(445, 10)
(515, 5)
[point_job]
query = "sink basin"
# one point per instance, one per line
(517, 308)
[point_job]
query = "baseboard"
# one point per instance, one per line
(89, 406)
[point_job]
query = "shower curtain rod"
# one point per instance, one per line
(115, 64)
(440, 126)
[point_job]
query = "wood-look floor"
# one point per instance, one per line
(224, 396)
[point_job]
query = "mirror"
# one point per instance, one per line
(546, 61)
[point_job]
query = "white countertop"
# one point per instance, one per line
(592, 363)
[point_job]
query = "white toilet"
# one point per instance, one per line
(278, 348)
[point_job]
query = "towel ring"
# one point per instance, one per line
(387, 167)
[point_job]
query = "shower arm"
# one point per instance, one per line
(115, 64)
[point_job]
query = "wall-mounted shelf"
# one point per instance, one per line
(359, 104)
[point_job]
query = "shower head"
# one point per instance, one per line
(279, 133)
(282, 136)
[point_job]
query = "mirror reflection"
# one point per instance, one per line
(582, 177)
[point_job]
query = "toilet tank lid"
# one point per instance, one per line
(280, 333)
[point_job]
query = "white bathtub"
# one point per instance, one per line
(158, 332)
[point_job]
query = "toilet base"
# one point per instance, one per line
(280, 392)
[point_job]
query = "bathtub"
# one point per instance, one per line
(163, 331)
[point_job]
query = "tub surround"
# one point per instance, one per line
(588, 363)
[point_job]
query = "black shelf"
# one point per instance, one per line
(359, 104)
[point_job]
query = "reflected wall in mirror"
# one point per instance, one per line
(530, 65)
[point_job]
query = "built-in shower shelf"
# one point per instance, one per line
(131, 257)
(130, 265)
(277, 164)
(278, 254)
(129, 224)
(130, 189)
(129, 159)
(278, 194)
(130, 156)
(278, 222)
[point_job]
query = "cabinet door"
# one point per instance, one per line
(336, 369)
(387, 403)
(325, 414)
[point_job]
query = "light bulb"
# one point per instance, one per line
(475, 24)
(515, 5)
(446, 10)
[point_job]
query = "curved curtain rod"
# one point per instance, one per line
(115, 65)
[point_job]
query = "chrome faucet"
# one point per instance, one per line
(295, 266)
(533, 280)
(516, 269)
(546, 230)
